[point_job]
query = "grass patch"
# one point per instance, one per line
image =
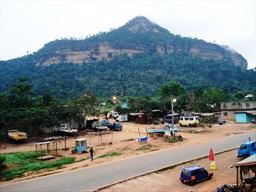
(144, 148)
(111, 154)
(174, 140)
(147, 148)
(17, 164)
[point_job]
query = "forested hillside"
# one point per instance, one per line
(133, 60)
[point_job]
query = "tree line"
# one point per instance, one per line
(21, 108)
(202, 99)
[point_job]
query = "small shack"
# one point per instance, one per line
(157, 116)
(244, 117)
(246, 170)
(137, 118)
(44, 148)
(81, 145)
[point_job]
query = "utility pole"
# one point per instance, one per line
(173, 100)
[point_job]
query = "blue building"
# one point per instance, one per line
(244, 117)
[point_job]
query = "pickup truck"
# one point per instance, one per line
(246, 149)
(100, 126)
(162, 131)
(65, 129)
(17, 136)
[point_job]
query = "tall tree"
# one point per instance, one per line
(212, 97)
(85, 105)
(170, 91)
(21, 93)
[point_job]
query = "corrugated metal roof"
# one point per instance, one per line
(248, 112)
(135, 114)
(249, 161)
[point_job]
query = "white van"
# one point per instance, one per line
(189, 121)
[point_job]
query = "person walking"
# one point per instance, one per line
(92, 152)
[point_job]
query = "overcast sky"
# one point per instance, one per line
(25, 26)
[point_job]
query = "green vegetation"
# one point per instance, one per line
(110, 154)
(17, 164)
(121, 75)
(21, 109)
(173, 140)
(2, 166)
(125, 76)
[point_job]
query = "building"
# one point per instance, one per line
(244, 117)
(230, 109)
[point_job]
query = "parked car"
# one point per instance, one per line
(254, 120)
(194, 174)
(105, 122)
(189, 121)
(122, 118)
(115, 126)
(17, 136)
(246, 149)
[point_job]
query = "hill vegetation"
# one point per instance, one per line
(133, 60)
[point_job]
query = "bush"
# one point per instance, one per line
(2, 160)
(175, 139)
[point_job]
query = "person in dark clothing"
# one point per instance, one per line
(92, 152)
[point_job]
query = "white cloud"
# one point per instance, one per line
(28, 25)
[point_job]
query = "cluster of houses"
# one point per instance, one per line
(239, 112)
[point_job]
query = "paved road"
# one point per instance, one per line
(92, 178)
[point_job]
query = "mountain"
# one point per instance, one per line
(134, 59)
(138, 36)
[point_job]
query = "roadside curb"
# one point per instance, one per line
(161, 169)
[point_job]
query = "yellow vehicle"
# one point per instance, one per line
(16, 135)
(189, 121)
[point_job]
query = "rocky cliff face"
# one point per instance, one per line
(138, 36)
(103, 52)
